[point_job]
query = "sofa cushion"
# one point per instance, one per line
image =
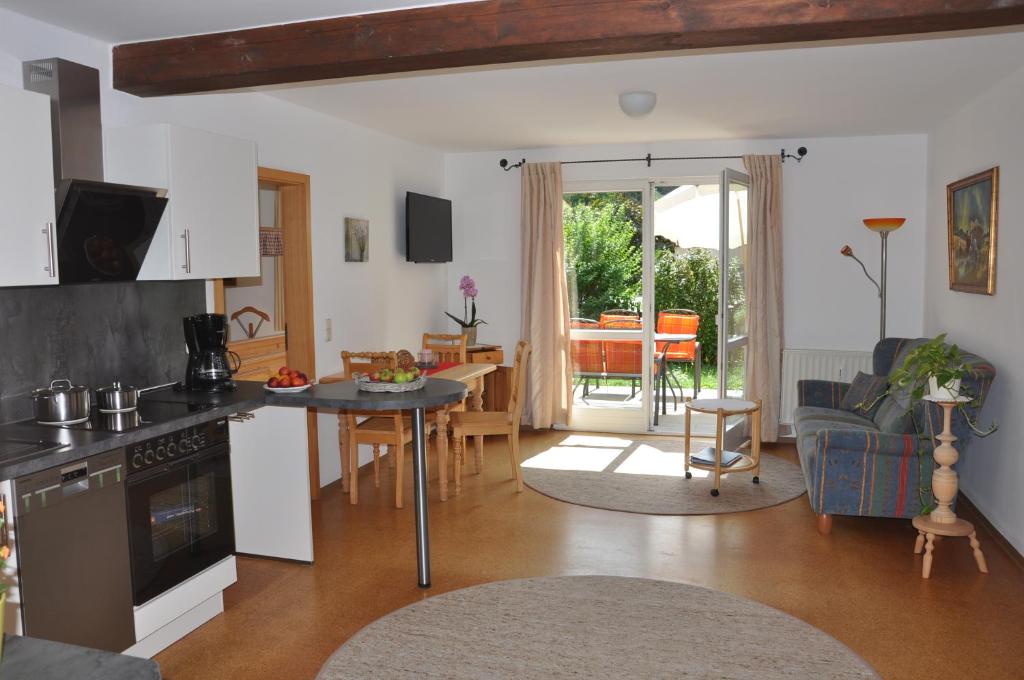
(894, 414)
(802, 413)
(865, 394)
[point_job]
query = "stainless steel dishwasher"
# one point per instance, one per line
(73, 559)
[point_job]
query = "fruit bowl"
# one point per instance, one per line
(364, 383)
(287, 390)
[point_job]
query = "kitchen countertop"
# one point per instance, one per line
(71, 445)
(26, 657)
(345, 395)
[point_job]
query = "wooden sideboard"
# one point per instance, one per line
(497, 385)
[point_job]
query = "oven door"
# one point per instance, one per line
(179, 521)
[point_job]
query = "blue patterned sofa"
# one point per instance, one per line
(853, 465)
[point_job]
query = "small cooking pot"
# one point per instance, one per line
(116, 398)
(61, 402)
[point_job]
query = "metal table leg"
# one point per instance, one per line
(419, 468)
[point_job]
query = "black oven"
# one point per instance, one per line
(180, 518)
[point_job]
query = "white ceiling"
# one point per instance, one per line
(890, 87)
(120, 21)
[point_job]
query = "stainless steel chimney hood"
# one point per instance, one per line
(103, 229)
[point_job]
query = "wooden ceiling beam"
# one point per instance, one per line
(504, 31)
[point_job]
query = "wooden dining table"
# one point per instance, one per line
(471, 375)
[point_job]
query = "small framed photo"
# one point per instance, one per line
(357, 240)
(972, 213)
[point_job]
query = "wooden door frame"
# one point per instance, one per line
(296, 223)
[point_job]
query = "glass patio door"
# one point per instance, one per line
(732, 319)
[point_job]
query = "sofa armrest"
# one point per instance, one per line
(824, 393)
(866, 472)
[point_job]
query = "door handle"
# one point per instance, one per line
(188, 251)
(51, 265)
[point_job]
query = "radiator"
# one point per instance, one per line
(819, 364)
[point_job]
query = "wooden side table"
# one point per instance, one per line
(722, 409)
(497, 384)
(945, 484)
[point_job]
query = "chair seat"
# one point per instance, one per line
(385, 425)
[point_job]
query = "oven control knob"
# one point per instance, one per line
(137, 460)
(172, 449)
(183, 444)
(196, 441)
(147, 457)
(161, 453)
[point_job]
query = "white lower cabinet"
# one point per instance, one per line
(270, 484)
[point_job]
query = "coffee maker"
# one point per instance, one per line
(209, 369)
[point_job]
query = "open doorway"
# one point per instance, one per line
(656, 277)
(270, 316)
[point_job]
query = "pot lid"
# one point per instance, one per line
(117, 387)
(61, 386)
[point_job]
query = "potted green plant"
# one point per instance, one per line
(934, 365)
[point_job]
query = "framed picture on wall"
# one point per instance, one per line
(357, 240)
(972, 212)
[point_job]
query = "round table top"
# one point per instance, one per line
(727, 405)
(346, 395)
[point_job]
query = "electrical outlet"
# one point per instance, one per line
(328, 330)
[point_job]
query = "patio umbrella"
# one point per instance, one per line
(689, 217)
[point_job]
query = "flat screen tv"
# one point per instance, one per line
(428, 228)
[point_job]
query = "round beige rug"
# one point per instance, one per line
(646, 476)
(592, 627)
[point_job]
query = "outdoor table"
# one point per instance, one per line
(345, 396)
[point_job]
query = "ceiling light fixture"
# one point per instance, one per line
(637, 104)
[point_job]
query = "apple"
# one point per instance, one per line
(401, 377)
(387, 375)
(375, 376)
(298, 381)
(273, 382)
(284, 370)
(415, 372)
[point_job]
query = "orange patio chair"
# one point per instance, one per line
(587, 357)
(623, 358)
(681, 321)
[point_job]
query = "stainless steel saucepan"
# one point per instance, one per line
(117, 398)
(61, 402)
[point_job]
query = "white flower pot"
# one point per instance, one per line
(948, 392)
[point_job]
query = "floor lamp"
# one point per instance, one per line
(883, 226)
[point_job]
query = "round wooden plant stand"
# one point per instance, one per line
(943, 521)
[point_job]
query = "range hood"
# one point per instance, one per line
(103, 230)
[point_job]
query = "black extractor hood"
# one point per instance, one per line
(103, 229)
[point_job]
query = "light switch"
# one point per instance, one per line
(328, 330)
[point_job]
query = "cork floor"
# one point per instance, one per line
(862, 584)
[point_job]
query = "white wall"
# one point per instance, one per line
(987, 132)
(354, 172)
(828, 303)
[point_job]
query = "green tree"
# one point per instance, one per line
(602, 264)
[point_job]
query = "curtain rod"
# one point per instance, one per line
(800, 153)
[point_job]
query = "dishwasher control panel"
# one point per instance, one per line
(176, 445)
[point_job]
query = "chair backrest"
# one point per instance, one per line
(447, 347)
(367, 362)
(617, 315)
(519, 366)
(678, 321)
(623, 357)
(587, 355)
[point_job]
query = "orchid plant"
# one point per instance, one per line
(469, 292)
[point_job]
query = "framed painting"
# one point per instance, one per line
(357, 240)
(972, 213)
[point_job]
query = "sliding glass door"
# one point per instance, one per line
(732, 325)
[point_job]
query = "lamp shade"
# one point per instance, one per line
(885, 224)
(637, 104)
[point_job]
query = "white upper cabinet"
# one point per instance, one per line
(210, 229)
(27, 220)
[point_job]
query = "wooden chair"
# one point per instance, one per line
(389, 428)
(447, 347)
(474, 423)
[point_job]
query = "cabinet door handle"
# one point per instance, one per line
(51, 265)
(241, 417)
(188, 251)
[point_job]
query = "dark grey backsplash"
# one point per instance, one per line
(92, 334)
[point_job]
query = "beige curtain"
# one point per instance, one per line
(545, 310)
(764, 290)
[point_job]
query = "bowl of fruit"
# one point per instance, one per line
(287, 381)
(386, 380)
